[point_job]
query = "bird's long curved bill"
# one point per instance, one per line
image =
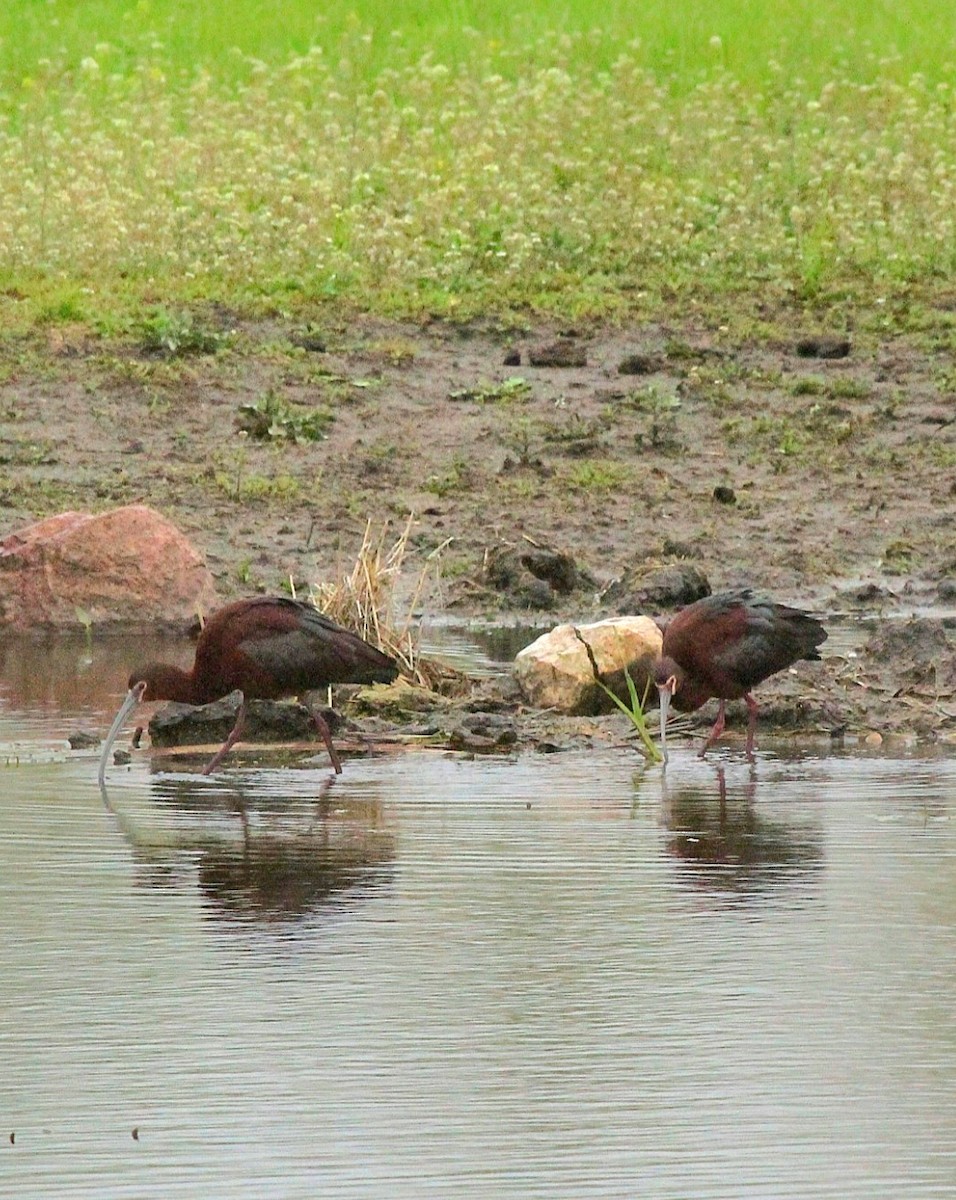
(665, 695)
(133, 697)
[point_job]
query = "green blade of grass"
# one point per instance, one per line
(635, 714)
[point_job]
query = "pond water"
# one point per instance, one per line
(553, 976)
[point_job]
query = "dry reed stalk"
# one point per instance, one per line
(365, 601)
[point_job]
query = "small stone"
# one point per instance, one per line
(547, 747)
(823, 345)
(640, 364)
(946, 590)
(81, 740)
(873, 739)
(563, 353)
(724, 494)
(481, 733)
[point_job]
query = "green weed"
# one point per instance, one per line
(634, 711)
(511, 389)
(274, 419)
(255, 486)
(432, 162)
(599, 475)
(808, 385)
(848, 388)
(176, 334)
(454, 479)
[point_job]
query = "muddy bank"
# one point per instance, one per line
(750, 452)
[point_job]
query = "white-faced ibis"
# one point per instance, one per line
(266, 647)
(723, 646)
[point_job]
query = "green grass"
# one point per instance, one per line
(473, 158)
(680, 38)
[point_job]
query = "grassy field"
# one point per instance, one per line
(467, 158)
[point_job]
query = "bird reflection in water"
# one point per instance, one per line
(261, 857)
(726, 844)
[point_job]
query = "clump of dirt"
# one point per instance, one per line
(533, 577)
(644, 590)
(823, 345)
(915, 657)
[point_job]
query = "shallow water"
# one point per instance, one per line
(553, 976)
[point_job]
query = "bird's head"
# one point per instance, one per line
(156, 681)
(668, 677)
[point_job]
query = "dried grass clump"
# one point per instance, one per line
(366, 601)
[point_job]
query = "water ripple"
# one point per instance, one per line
(555, 977)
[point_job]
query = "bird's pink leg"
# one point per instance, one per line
(751, 724)
(717, 730)
(326, 734)
(229, 742)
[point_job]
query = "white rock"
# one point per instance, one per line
(555, 671)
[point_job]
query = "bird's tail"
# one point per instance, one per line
(806, 631)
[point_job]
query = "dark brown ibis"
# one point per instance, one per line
(723, 646)
(266, 647)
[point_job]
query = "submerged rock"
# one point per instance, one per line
(556, 672)
(398, 701)
(82, 740)
(266, 721)
(483, 733)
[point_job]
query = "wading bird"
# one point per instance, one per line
(723, 646)
(266, 647)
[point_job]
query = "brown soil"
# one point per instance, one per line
(826, 471)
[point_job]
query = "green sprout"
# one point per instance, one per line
(636, 715)
(635, 711)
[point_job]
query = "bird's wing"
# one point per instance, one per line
(311, 651)
(770, 638)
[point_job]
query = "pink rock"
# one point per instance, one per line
(129, 567)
